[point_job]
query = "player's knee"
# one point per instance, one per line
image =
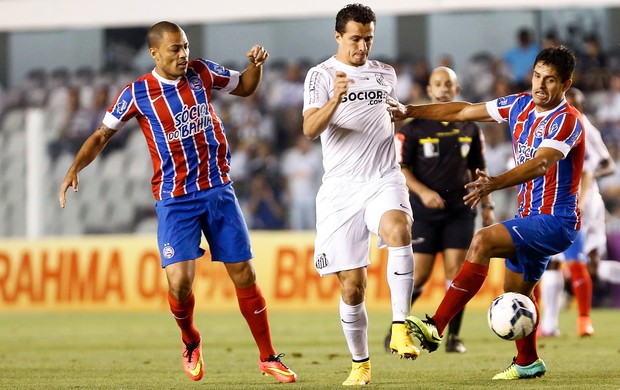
(479, 249)
(397, 234)
(352, 294)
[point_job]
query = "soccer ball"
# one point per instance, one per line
(512, 316)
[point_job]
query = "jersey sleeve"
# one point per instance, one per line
(121, 110)
(224, 79)
(564, 132)
(499, 109)
(316, 88)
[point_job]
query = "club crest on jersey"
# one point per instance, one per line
(121, 107)
(168, 251)
(195, 83)
(540, 129)
(380, 79)
(321, 261)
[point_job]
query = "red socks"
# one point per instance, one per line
(183, 313)
(463, 288)
(526, 347)
(581, 282)
(254, 310)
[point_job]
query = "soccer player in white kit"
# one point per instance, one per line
(363, 190)
(592, 243)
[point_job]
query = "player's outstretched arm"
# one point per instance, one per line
(449, 112)
(250, 78)
(87, 153)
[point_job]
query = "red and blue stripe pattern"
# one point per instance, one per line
(556, 192)
(185, 137)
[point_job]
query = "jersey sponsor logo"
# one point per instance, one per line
(218, 69)
(168, 251)
(314, 92)
(190, 121)
(502, 101)
(321, 261)
(524, 153)
(373, 97)
(121, 107)
(195, 84)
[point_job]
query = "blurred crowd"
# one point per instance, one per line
(276, 170)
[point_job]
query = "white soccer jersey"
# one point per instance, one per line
(596, 151)
(358, 144)
(593, 214)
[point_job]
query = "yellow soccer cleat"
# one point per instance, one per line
(360, 374)
(515, 371)
(401, 343)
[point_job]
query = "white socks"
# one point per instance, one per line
(354, 321)
(551, 287)
(400, 280)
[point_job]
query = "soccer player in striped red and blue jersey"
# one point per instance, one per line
(191, 182)
(549, 148)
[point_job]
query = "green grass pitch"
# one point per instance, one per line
(101, 350)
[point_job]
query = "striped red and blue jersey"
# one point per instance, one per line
(185, 137)
(561, 128)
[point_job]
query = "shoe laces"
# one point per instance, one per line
(189, 350)
(514, 359)
(276, 358)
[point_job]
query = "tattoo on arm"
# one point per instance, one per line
(106, 132)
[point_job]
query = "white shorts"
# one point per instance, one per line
(593, 225)
(347, 212)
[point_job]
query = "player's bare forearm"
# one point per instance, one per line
(87, 153)
(92, 147)
(451, 112)
(250, 78)
(316, 120)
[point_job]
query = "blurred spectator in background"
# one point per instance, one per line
(591, 65)
(264, 205)
(608, 112)
(498, 154)
(73, 126)
(302, 169)
(521, 57)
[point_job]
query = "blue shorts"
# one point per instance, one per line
(214, 212)
(576, 252)
(536, 239)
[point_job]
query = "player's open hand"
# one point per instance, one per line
(481, 187)
(257, 55)
(397, 110)
(71, 180)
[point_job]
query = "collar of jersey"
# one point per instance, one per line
(164, 80)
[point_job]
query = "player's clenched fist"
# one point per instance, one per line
(257, 55)
(341, 84)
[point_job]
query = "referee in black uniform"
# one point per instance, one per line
(438, 159)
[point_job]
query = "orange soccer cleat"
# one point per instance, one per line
(274, 366)
(192, 360)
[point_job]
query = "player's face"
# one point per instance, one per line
(354, 44)
(171, 55)
(547, 88)
(442, 86)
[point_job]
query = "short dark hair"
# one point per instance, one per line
(356, 12)
(156, 32)
(561, 58)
